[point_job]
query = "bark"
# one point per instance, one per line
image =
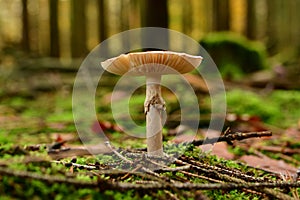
(251, 31)
(102, 20)
(78, 28)
(54, 30)
(187, 17)
(221, 15)
(155, 14)
(25, 29)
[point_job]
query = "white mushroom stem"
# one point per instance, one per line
(154, 107)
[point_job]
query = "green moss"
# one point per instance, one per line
(280, 108)
(18, 188)
(288, 102)
(41, 190)
(238, 151)
(233, 54)
(128, 195)
(233, 194)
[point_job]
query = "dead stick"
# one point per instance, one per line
(47, 178)
(206, 186)
(232, 137)
(152, 185)
(226, 138)
(144, 169)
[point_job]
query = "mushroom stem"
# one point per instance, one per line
(154, 107)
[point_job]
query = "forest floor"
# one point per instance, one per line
(42, 156)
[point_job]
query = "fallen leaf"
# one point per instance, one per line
(221, 150)
(269, 164)
(293, 133)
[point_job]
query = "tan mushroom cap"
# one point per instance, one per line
(155, 62)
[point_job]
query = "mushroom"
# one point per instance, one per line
(152, 65)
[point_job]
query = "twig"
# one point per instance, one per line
(172, 196)
(79, 151)
(151, 185)
(236, 180)
(107, 143)
(206, 186)
(48, 178)
(88, 167)
(144, 169)
(202, 177)
(128, 173)
(169, 169)
(215, 169)
(229, 137)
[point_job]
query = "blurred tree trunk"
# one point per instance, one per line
(54, 30)
(124, 11)
(251, 29)
(124, 23)
(208, 10)
(272, 22)
(295, 25)
(221, 15)
(154, 13)
(25, 29)
(134, 14)
(78, 28)
(187, 17)
(102, 20)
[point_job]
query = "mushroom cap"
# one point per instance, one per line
(152, 62)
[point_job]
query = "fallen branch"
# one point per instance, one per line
(80, 166)
(230, 137)
(206, 186)
(226, 137)
(100, 149)
(78, 151)
(137, 164)
(223, 175)
(107, 184)
(47, 178)
(218, 170)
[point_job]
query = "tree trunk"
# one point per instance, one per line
(155, 14)
(78, 29)
(272, 30)
(187, 17)
(54, 30)
(25, 29)
(102, 20)
(251, 28)
(134, 14)
(124, 11)
(221, 15)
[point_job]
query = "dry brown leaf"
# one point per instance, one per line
(268, 164)
(221, 150)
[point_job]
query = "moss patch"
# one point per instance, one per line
(233, 54)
